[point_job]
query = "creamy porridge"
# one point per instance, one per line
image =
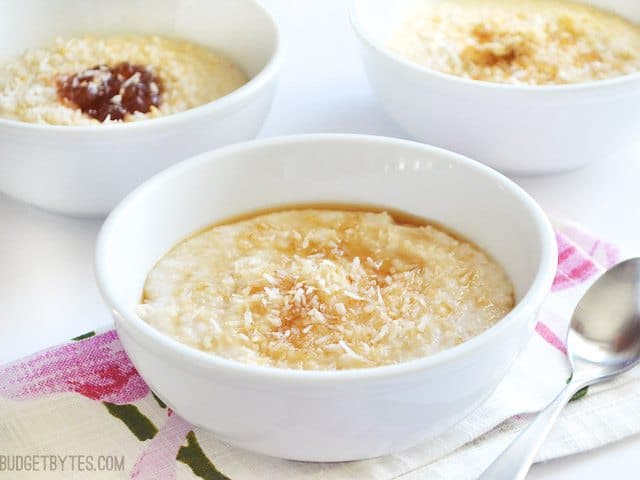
(534, 42)
(89, 80)
(324, 289)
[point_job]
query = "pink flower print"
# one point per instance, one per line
(574, 265)
(550, 337)
(97, 368)
(602, 253)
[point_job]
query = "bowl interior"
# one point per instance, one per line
(377, 19)
(240, 29)
(463, 195)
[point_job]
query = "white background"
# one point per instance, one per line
(47, 291)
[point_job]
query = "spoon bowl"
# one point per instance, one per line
(604, 338)
(603, 341)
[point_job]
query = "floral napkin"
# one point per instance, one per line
(81, 411)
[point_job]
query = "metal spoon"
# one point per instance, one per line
(603, 341)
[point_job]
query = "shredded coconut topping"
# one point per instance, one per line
(534, 42)
(324, 289)
(191, 74)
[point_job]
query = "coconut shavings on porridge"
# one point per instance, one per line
(324, 289)
(534, 42)
(94, 80)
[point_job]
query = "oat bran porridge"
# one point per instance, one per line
(324, 289)
(94, 80)
(532, 42)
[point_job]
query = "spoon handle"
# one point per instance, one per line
(514, 462)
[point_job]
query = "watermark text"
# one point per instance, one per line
(61, 463)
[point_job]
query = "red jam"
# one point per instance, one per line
(112, 92)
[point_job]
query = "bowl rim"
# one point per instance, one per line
(219, 106)
(143, 333)
(380, 49)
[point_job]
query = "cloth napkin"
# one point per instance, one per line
(86, 398)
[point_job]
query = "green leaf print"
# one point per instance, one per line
(84, 335)
(580, 393)
(193, 456)
(135, 421)
(160, 402)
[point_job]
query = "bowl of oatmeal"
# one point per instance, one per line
(92, 105)
(322, 308)
(526, 86)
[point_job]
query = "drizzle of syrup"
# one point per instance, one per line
(112, 92)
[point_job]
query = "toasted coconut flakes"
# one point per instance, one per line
(381, 334)
(191, 76)
(317, 315)
(312, 303)
(275, 321)
(529, 42)
(272, 293)
(424, 321)
(353, 295)
(351, 353)
(248, 319)
(380, 299)
(270, 278)
(332, 347)
(298, 296)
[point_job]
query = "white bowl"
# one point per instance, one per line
(86, 170)
(516, 129)
(325, 415)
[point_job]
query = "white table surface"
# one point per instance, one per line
(47, 291)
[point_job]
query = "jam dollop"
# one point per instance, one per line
(112, 91)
